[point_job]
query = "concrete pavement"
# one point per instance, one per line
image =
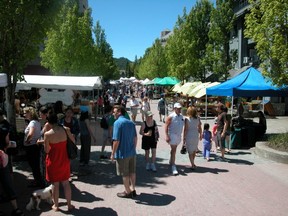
(244, 185)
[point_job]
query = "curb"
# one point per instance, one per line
(262, 150)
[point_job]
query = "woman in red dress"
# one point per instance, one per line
(57, 161)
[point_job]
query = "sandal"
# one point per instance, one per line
(193, 167)
(71, 208)
(55, 208)
(17, 212)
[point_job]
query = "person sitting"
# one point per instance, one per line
(262, 123)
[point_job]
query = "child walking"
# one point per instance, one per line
(214, 133)
(207, 137)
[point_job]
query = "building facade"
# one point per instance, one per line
(34, 67)
(245, 47)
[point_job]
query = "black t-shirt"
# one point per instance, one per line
(222, 117)
(4, 130)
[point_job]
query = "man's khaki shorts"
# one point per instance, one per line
(126, 166)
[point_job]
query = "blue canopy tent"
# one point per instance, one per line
(250, 83)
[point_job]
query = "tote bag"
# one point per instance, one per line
(72, 149)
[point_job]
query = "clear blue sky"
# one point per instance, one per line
(131, 26)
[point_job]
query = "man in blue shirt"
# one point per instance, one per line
(124, 151)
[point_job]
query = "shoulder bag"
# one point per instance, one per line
(72, 149)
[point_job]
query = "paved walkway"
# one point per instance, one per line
(245, 185)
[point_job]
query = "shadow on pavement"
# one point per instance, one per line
(96, 211)
(240, 153)
(200, 169)
(240, 162)
(155, 199)
(103, 172)
(83, 196)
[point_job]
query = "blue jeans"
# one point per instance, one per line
(206, 150)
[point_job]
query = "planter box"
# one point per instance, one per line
(279, 109)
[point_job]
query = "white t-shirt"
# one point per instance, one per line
(37, 132)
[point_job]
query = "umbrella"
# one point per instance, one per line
(145, 81)
(202, 91)
(193, 91)
(176, 87)
(187, 87)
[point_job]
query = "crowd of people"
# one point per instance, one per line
(45, 145)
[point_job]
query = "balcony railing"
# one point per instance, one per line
(239, 4)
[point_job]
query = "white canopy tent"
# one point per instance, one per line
(60, 82)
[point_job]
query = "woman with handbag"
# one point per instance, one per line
(57, 161)
(192, 134)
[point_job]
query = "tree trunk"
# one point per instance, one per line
(10, 104)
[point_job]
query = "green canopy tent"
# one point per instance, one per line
(167, 81)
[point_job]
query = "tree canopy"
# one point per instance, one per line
(70, 48)
(218, 57)
(153, 64)
(267, 26)
(23, 30)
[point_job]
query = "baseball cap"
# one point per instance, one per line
(177, 105)
(149, 113)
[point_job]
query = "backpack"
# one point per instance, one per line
(161, 103)
(104, 122)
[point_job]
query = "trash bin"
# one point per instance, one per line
(236, 139)
(248, 136)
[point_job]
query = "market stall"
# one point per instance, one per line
(88, 83)
(51, 87)
(249, 83)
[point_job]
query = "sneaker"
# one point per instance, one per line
(153, 167)
(147, 166)
(125, 195)
(174, 170)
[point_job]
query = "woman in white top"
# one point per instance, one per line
(145, 107)
(32, 134)
(192, 134)
(173, 130)
(134, 104)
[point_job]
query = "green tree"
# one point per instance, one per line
(186, 49)
(267, 26)
(196, 31)
(104, 54)
(69, 45)
(175, 50)
(175, 54)
(221, 23)
(23, 29)
(153, 64)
